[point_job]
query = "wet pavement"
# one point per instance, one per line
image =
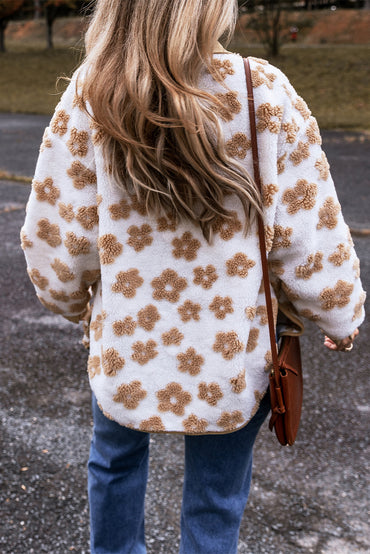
(312, 498)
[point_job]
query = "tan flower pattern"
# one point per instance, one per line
(250, 312)
(205, 277)
(87, 217)
(25, 241)
(166, 223)
(291, 130)
(260, 77)
(210, 392)
(62, 270)
(93, 366)
(268, 360)
(49, 232)
(173, 399)
(46, 142)
(328, 214)
(258, 397)
(302, 107)
(276, 267)
(269, 117)
(261, 312)
(238, 383)
(227, 228)
(97, 325)
(59, 295)
(358, 309)
(308, 314)
(37, 279)
(338, 296)
(289, 292)
(301, 197)
(168, 286)
(231, 105)
(269, 237)
(153, 424)
(228, 344)
(323, 167)
(77, 246)
(230, 420)
(148, 317)
(77, 143)
(125, 326)
(66, 211)
(140, 237)
(46, 191)
(239, 265)
(109, 248)
(281, 237)
(312, 265)
(190, 361)
(340, 255)
(50, 306)
(81, 175)
(142, 352)
(121, 210)
(238, 146)
(90, 276)
(268, 193)
(302, 152)
(252, 339)
(127, 282)
(356, 268)
(130, 395)
(172, 337)
(112, 362)
(195, 425)
(281, 163)
(313, 132)
(221, 69)
(186, 247)
(221, 306)
(59, 123)
(189, 310)
(138, 205)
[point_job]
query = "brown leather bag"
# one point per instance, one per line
(286, 383)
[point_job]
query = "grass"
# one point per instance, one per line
(335, 80)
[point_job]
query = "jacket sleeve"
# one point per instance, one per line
(312, 259)
(59, 235)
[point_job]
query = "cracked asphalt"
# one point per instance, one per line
(311, 498)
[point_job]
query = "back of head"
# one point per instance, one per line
(161, 135)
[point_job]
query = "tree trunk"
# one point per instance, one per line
(50, 15)
(3, 24)
(37, 9)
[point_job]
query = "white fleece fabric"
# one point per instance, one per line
(178, 335)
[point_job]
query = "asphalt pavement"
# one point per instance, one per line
(311, 498)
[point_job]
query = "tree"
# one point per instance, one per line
(7, 9)
(53, 8)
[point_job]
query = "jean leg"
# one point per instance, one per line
(117, 477)
(218, 471)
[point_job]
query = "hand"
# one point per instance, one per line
(344, 345)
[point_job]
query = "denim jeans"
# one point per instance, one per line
(218, 470)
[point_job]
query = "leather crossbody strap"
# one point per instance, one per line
(261, 230)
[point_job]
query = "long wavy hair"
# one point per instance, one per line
(161, 134)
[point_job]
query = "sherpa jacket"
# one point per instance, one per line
(179, 334)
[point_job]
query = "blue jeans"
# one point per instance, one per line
(218, 470)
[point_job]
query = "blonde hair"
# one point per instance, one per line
(161, 135)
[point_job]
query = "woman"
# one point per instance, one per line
(143, 198)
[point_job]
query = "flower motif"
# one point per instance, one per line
(313, 132)
(90, 276)
(173, 399)
(49, 232)
(231, 105)
(59, 123)
(46, 142)
(281, 237)
(268, 360)
(37, 279)
(281, 163)
(309, 315)
(25, 241)
(302, 107)
(289, 292)
(338, 296)
(269, 117)
(87, 216)
(268, 192)
(323, 167)
(77, 143)
(59, 295)
(195, 425)
(138, 205)
(112, 362)
(153, 424)
(120, 211)
(144, 352)
(185, 247)
(276, 267)
(77, 245)
(189, 310)
(147, 317)
(50, 306)
(130, 395)
(220, 69)
(228, 344)
(238, 146)
(46, 191)
(250, 312)
(190, 361)
(66, 211)
(227, 227)
(168, 286)
(302, 152)
(340, 255)
(328, 214)
(140, 237)
(173, 336)
(62, 270)
(93, 366)
(109, 248)
(261, 312)
(238, 383)
(258, 397)
(358, 309)
(97, 325)
(205, 277)
(221, 306)
(211, 393)
(313, 264)
(260, 77)
(230, 420)
(301, 197)
(81, 175)
(291, 130)
(166, 223)
(127, 282)
(252, 339)
(126, 326)
(239, 265)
